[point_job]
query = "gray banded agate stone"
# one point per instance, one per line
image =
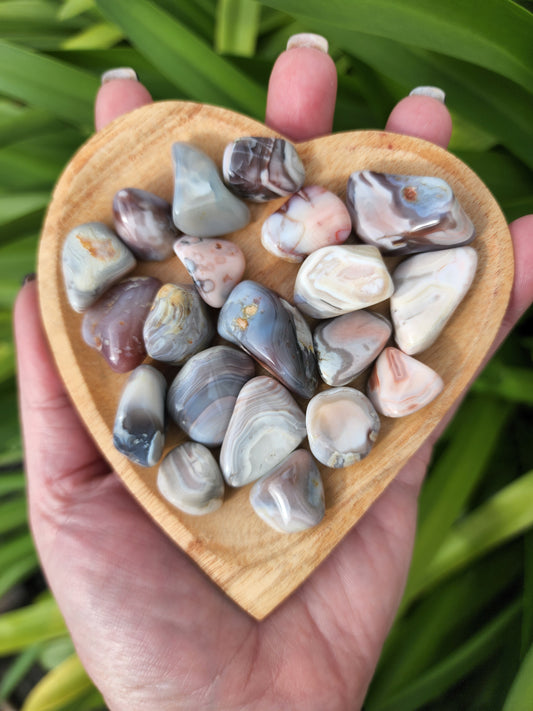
(273, 332)
(345, 346)
(178, 324)
(342, 426)
(291, 497)
(403, 214)
(190, 479)
(428, 289)
(144, 222)
(93, 258)
(139, 429)
(262, 168)
(336, 280)
(266, 425)
(202, 205)
(114, 324)
(202, 396)
(400, 385)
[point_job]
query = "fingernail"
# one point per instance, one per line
(29, 277)
(432, 91)
(119, 73)
(307, 39)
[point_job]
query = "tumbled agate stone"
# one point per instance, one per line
(262, 168)
(312, 218)
(203, 206)
(342, 426)
(427, 290)
(215, 265)
(336, 280)
(400, 385)
(177, 325)
(406, 213)
(346, 345)
(139, 430)
(265, 427)
(273, 332)
(93, 259)
(114, 324)
(202, 396)
(291, 497)
(144, 222)
(190, 479)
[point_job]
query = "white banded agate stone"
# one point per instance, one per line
(336, 280)
(202, 205)
(404, 214)
(312, 218)
(400, 385)
(93, 258)
(342, 426)
(346, 345)
(290, 498)
(427, 289)
(190, 479)
(266, 426)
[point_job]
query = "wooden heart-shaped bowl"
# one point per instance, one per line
(252, 563)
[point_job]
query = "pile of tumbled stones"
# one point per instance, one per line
(215, 398)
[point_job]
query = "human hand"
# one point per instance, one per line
(151, 629)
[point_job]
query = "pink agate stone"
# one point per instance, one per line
(400, 385)
(312, 218)
(215, 265)
(114, 325)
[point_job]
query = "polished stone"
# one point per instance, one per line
(428, 289)
(400, 385)
(290, 498)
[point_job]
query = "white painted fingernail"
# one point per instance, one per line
(432, 91)
(307, 39)
(119, 73)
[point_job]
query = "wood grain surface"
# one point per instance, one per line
(253, 564)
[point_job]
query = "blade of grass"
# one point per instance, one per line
(521, 691)
(18, 571)
(12, 483)
(168, 44)
(63, 90)
(237, 27)
(15, 548)
(504, 516)
(28, 625)
(498, 37)
(26, 124)
(455, 667)
(17, 205)
(441, 619)
(12, 514)
(73, 8)
(512, 383)
(61, 686)
(453, 478)
(101, 35)
(17, 670)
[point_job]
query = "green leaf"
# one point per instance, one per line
(521, 692)
(55, 652)
(496, 35)
(17, 205)
(237, 27)
(57, 87)
(453, 669)
(73, 8)
(504, 516)
(11, 483)
(17, 670)
(13, 514)
(26, 124)
(18, 571)
(61, 686)
(101, 35)
(185, 59)
(453, 478)
(508, 382)
(34, 623)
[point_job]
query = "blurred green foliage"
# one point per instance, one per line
(463, 638)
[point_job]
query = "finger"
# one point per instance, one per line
(422, 115)
(59, 453)
(119, 93)
(302, 89)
